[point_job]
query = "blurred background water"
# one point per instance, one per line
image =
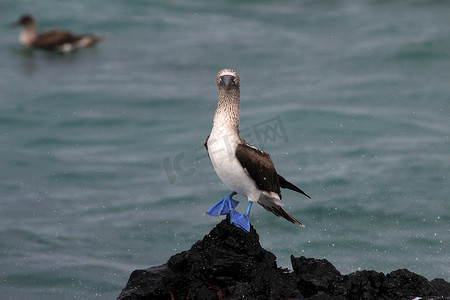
(102, 166)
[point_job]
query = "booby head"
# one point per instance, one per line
(26, 20)
(228, 79)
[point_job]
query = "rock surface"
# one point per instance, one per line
(230, 264)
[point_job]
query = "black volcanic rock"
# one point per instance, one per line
(230, 264)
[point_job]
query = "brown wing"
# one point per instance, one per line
(287, 185)
(206, 143)
(54, 38)
(260, 167)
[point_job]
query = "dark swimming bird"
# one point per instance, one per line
(245, 169)
(55, 39)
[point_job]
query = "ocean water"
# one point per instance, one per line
(102, 165)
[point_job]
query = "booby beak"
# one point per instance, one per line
(227, 81)
(14, 24)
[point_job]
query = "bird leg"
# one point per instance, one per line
(241, 221)
(224, 206)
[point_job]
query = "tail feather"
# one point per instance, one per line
(89, 40)
(272, 204)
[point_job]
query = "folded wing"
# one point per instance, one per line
(261, 169)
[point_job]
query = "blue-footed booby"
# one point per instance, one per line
(55, 39)
(243, 168)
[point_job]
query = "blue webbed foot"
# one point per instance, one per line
(224, 206)
(241, 221)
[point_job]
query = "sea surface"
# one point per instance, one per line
(102, 164)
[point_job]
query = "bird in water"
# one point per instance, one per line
(243, 168)
(55, 39)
